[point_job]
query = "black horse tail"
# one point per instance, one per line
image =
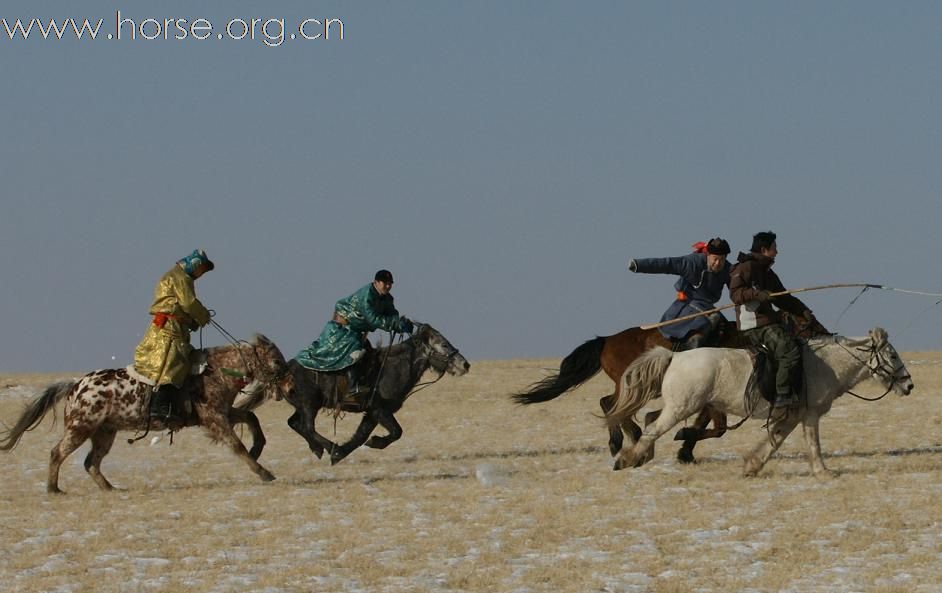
(34, 413)
(581, 365)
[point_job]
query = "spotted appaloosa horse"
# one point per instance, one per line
(103, 402)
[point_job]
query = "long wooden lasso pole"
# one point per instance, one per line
(775, 294)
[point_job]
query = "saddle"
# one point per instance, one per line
(762, 379)
(336, 384)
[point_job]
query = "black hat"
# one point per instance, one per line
(718, 246)
(383, 276)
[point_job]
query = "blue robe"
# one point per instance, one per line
(339, 346)
(702, 287)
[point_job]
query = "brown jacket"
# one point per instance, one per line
(751, 274)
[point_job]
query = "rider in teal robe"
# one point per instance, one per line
(343, 340)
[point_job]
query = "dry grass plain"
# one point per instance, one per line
(481, 495)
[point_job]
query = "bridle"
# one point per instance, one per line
(878, 366)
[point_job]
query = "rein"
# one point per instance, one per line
(873, 352)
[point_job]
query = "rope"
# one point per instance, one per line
(862, 285)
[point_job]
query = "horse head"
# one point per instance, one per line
(443, 357)
(269, 369)
(885, 364)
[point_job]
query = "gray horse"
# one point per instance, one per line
(391, 373)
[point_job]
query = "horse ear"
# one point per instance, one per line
(879, 337)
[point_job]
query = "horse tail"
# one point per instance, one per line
(34, 413)
(581, 365)
(640, 384)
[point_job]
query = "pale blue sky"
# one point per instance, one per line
(503, 159)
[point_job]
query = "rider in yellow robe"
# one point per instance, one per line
(163, 355)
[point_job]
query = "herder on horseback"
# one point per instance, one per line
(703, 274)
(343, 343)
(163, 355)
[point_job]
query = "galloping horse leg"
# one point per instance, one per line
(387, 421)
(810, 425)
(70, 441)
(237, 416)
(221, 430)
(699, 432)
(302, 422)
(778, 430)
(367, 424)
(638, 454)
(102, 439)
(616, 436)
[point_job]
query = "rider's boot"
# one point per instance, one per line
(353, 379)
(161, 404)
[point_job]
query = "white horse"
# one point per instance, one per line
(689, 380)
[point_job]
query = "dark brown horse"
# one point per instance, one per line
(614, 353)
(103, 402)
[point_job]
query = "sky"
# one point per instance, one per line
(505, 159)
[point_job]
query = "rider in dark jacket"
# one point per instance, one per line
(751, 281)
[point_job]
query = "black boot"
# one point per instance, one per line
(161, 404)
(353, 378)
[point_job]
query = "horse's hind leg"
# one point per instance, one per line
(616, 435)
(249, 418)
(71, 440)
(691, 436)
(638, 454)
(102, 439)
(777, 433)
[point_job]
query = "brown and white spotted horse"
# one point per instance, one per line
(103, 402)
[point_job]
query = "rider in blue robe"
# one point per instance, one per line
(702, 276)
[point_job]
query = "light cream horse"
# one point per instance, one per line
(689, 380)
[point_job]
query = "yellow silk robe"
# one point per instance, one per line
(164, 353)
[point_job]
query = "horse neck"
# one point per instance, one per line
(408, 355)
(849, 366)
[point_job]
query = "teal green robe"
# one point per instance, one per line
(339, 346)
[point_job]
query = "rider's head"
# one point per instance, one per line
(764, 244)
(383, 281)
(196, 264)
(717, 249)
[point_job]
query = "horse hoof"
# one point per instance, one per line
(685, 456)
(267, 476)
(318, 452)
(336, 458)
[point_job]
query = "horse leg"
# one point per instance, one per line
(691, 435)
(299, 423)
(220, 429)
(810, 425)
(387, 421)
(102, 439)
(638, 454)
(359, 437)
(616, 435)
(71, 440)
(778, 431)
(237, 416)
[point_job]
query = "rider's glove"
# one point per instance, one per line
(406, 326)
